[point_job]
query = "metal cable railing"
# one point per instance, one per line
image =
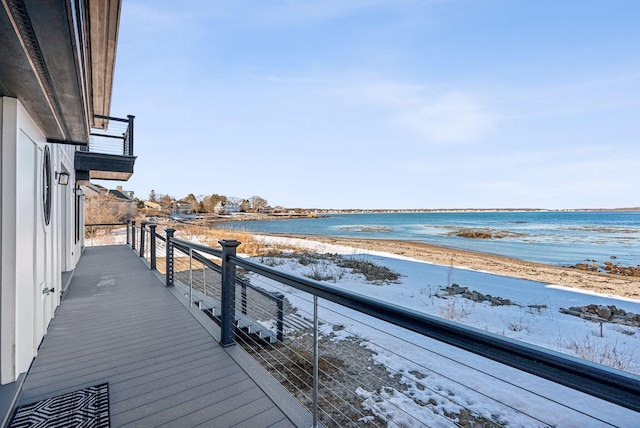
(96, 234)
(115, 137)
(353, 360)
(356, 368)
(256, 311)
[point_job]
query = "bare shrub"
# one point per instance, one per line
(322, 271)
(455, 310)
(524, 323)
(106, 208)
(605, 353)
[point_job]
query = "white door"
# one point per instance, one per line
(44, 238)
(28, 293)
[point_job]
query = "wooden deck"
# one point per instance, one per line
(118, 324)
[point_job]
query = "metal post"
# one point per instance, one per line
(130, 117)
(133, 234)
(169, 258)
(315, 361)
(280, 316)
(128, 240)
(228, 298)
(142, 225)
(190, 277)
(152, 245)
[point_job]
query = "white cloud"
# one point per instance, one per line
(452, 117)
(434, 116)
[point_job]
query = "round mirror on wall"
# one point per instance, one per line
(46, 185)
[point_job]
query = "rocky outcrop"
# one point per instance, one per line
(608, 267)
(476, 296)
(483, 233)
(621, 270)
(475, 234)
(602, 313)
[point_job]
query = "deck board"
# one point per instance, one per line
(118, 323)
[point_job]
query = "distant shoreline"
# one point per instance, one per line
(470, 210)
(310, 213)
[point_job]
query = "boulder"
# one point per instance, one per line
(604, 312)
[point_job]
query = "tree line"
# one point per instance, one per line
(209, 204)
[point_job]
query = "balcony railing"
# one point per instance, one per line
(109, 154)
(347, 378)
(115, 137)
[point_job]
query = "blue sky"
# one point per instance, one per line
(385, 103)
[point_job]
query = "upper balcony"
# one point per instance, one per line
(109, 154)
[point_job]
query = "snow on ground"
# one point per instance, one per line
(100, 236)
(535, 318)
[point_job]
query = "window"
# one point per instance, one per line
(46, 185)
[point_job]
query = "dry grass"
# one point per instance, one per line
(210, 236)
(605, 353)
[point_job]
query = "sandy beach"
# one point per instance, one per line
(563, 276)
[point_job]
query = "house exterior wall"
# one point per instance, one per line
(33, 254)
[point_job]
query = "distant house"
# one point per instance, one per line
(92, 189)
(226, 207)
(181, 208)
(125, 195)
(152, 206)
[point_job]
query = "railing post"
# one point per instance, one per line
(280, 317)
(190, 277)
(128, 240)
(142, 225)
(169, 258)
(315, 361)
(152, 245)
(133, 235)
(228, 315)
(130, 117)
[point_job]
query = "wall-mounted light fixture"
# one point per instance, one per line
(62, 177)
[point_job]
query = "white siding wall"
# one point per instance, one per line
(33, 254)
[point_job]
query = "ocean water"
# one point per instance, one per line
(558, 238)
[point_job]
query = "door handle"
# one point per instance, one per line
(48, 291)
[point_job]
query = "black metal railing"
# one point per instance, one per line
(115, 138)
(96, 234)
(612, 385)
(147, 238)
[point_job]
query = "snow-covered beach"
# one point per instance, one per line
(534, 317)
(601, 283)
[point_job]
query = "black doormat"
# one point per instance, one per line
(87, 407)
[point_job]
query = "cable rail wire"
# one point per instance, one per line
(96, 234)
(363, 379)
(114, 139)
(393, 373)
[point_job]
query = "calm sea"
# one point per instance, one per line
(559, 238)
